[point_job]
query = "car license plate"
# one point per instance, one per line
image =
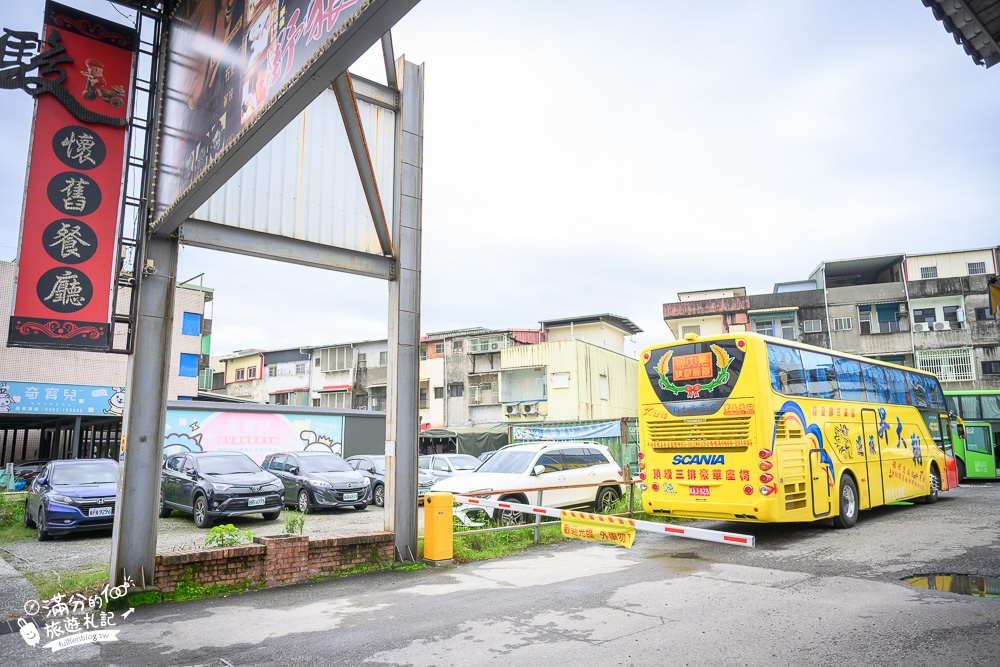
(101, 511)
(350, 496)
(255, 502)
(698, 490)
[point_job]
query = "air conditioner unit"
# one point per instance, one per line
(494, 346)
(510, 409)
(920, 326)
(902, 309)
(529, 408)
(960, 314)
(941, 326)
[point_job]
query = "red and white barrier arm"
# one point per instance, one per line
(720, 536)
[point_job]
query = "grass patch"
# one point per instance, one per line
(12, 519)
(188, 589)
(89, 581)
(486, 546)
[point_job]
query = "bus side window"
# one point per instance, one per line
(852, 388)
(875, 383)
(787, 374)
(917, 390)
(898, 389)
(820, 374)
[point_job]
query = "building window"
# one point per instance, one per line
(691, 329)
(603, 383)
(954, 365)
(954, 316)
(315, 402)
(483, 389)
(362, 360)
(188, 366)
(842, 324)
(924, 316)
(928, 272)
(764, 327)
(439, 348)
(487, 344)
(812, 326)
(438, 392)
(788, 329)
(336, 358)
(251, 372)
(317, 364)
(457, 346)
(272, 371)
(191, 324)
(424, 403)
(560, 380)
(456, 390)
(376, 399)
(335, 399)
(279, 399)
(240, 374)
(991, 368)
(383, 358)
(880, 318)
(975, 269)
(423, 352)
(301, 368)
(983, 314)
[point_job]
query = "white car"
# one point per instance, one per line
(541, 465)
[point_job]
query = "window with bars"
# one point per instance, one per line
(362, 360)
(336, 358)
(376, 399)
(928, 272)
(483, 389)
(975, 268)
(953, 365)
(335, 399)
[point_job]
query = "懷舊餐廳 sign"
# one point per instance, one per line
(80, 72)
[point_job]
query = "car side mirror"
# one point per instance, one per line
(372, 470)
(294, 470)
(41, 481)
(961, 431)
(538, 469)
(191, 472)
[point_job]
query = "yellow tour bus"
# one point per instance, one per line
(744, 427)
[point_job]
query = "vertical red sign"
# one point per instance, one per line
(69, 232)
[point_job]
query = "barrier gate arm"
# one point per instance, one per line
(720, 536)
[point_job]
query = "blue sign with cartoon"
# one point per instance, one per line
(42, 398)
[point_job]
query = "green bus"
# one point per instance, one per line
(976, 435)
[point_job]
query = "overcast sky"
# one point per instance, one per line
(594, 157)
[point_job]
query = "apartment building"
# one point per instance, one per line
(927, 310)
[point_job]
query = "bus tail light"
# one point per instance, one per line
(642, 486)
(764, 453)
(642, 465)
(767, 490)
(656, 487)
(642, 475)
(766, 465)
(766, 478)
(641, 455)
(748, 490)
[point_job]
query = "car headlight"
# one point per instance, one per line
(366, 481)
(221, 487)
(65, 500)
(277, 486)
(320, 483)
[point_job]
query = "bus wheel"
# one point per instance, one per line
(961, 470)
(932, 497)
(848, 503)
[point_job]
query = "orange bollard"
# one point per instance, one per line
(438, 545)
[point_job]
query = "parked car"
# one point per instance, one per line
(319, 479)
(25, 471)
(213, 485)
(486, 455)
(541, 465)
(372, 466)
(443, 466)
(73, 495)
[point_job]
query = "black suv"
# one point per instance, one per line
(212, 485)
(319, 479)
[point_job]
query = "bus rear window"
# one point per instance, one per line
(692, 371)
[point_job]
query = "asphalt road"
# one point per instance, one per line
(807, 595)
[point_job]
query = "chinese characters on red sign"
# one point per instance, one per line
(693, 367)
(69, 231)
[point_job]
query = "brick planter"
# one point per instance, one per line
(272, 561)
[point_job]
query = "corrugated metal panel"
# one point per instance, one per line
(304, 184)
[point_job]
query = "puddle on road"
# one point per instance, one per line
(686, 555)
(963, 584)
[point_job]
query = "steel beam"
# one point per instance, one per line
(375, 93)
(389, 58)
(356, 136)
(366, 30)
(133, 543)
(402, 414)
(284, 249)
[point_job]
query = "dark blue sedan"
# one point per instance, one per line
(68, 496)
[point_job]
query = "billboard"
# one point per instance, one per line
(69, 228)
(43, 398)
(227, 67)
(256, 434)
